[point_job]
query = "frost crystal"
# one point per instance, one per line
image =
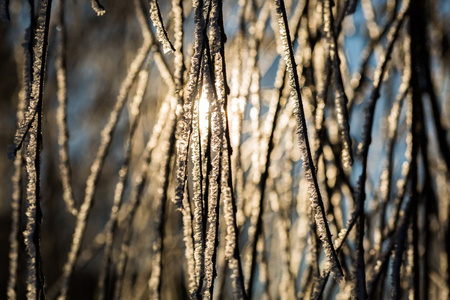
(98, 8)
(186, 120)
(29, 131)
(197, 198)
(213, 197)
(155, 15)
(313, 189)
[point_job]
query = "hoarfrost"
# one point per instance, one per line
(186, 120)
(213, 198)
(161, 34)
(98, 8)
(313, 189)
(197, 197)
(30, 129)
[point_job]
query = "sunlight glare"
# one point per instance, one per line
(203, 106)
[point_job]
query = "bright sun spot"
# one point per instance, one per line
(203, 112)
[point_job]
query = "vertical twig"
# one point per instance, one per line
(63, 132)
(32, 233)
(313, 188)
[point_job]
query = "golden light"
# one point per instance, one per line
(203, 110)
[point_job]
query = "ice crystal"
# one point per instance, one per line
(155, 15)
(197, 197)
(315, 197)
(98, 8)
(30, 129)
(186, 120)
